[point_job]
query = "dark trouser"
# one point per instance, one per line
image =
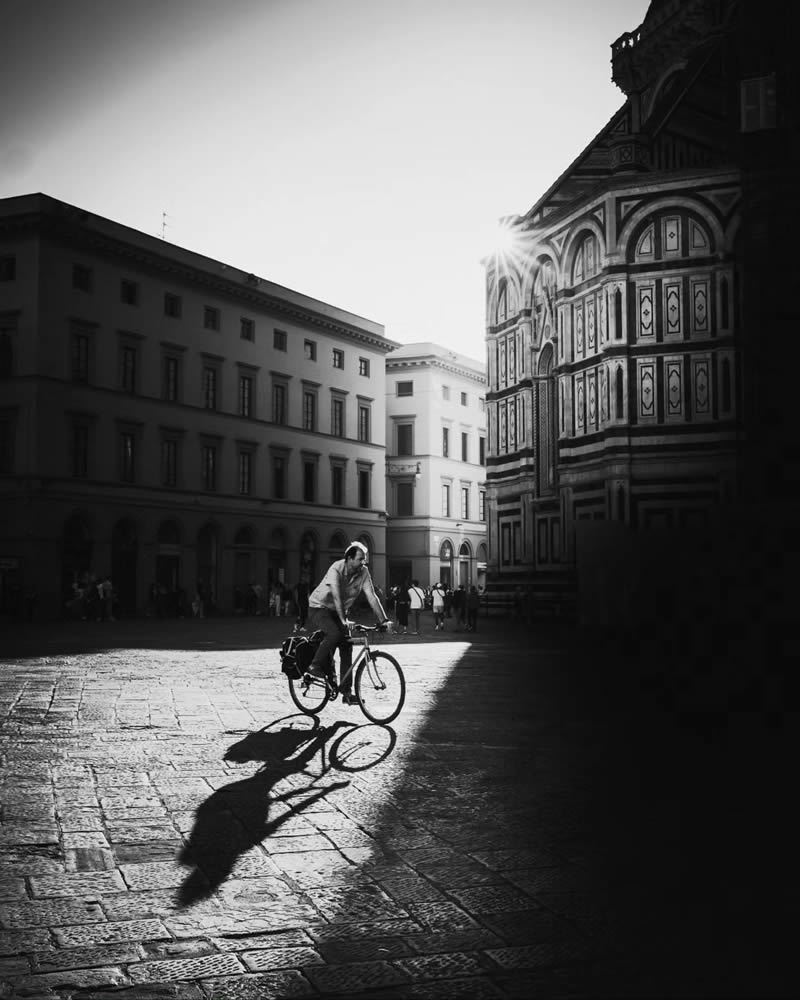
(335, 637)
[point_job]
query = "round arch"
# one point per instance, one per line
(574, 243)
(540, 295)
(636, 221)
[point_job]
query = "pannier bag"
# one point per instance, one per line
(297, 652)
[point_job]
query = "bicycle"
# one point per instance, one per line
(379, 684)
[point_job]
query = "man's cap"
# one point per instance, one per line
(358, 545)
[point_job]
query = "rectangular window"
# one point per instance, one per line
(80, 451)
(337, 417)
(209, 456)
(8, 268)
(128, 457)
(338, 358)
(309, 411)
(129, 292)
(169, 462)
(210, 318)
(128, 375)
(80, 357)
(405, 499)
(363, 489)
(279, 340)
(445, 500)
(463, 399)
(482, 450)
(758, 104)
(445, 392)
(278, 477)
(405, 388)
(363, 366)
(310, 350)
(464, 447)
(363, 423)
(245, 471)
(445, 442)
(465, 503)
(337, 485)
(405, 442)
(210, 388)
(482, 505)
(247, 329)
(245, 396)
(171, 371)
(81, 277)
(309, 481)
(278, 403)
(172, 305)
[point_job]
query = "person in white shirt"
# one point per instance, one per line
(345, 580)
(437, 597)
(417, 598)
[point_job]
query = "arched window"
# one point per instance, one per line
(502, 300)
(619, 394)
(587, 258)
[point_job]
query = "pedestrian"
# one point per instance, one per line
(106, 589)
(345, 581)
(437, 596)
(301, 593)
(448, 602)
(416, 598)
(402, 605)
(473, 605)
(460, 607)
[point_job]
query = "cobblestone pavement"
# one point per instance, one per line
(171, 827)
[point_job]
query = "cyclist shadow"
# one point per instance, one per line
(244, 813)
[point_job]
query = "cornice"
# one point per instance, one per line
(432, 361)
(69, 227)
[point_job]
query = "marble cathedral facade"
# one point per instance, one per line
(615, 399)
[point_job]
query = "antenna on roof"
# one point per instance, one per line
(164, 223)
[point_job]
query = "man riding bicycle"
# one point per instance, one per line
(338, 590)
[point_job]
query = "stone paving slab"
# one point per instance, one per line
(170, 827)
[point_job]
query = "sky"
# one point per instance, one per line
(361, 152)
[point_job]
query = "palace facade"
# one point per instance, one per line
(435, 467)
(171, 420)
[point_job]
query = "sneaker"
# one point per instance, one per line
(349, 699)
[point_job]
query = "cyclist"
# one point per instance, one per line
(329, 603)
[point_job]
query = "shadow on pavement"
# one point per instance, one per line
(244, 813)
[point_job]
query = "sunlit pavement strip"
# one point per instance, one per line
(169, 818)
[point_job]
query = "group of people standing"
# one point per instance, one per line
(410, 599)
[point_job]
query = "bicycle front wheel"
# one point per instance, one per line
(310, 696)
(380, 687)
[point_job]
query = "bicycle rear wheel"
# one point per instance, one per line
(380, 687)
(309, 696)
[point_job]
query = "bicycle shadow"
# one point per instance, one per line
(244, 813)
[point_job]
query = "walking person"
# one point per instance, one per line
(437, 596)
(416, 597)
(329, 603)
(460, 607)
(473, 606)
(402, 606)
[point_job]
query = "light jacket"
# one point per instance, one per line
(338, 592)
